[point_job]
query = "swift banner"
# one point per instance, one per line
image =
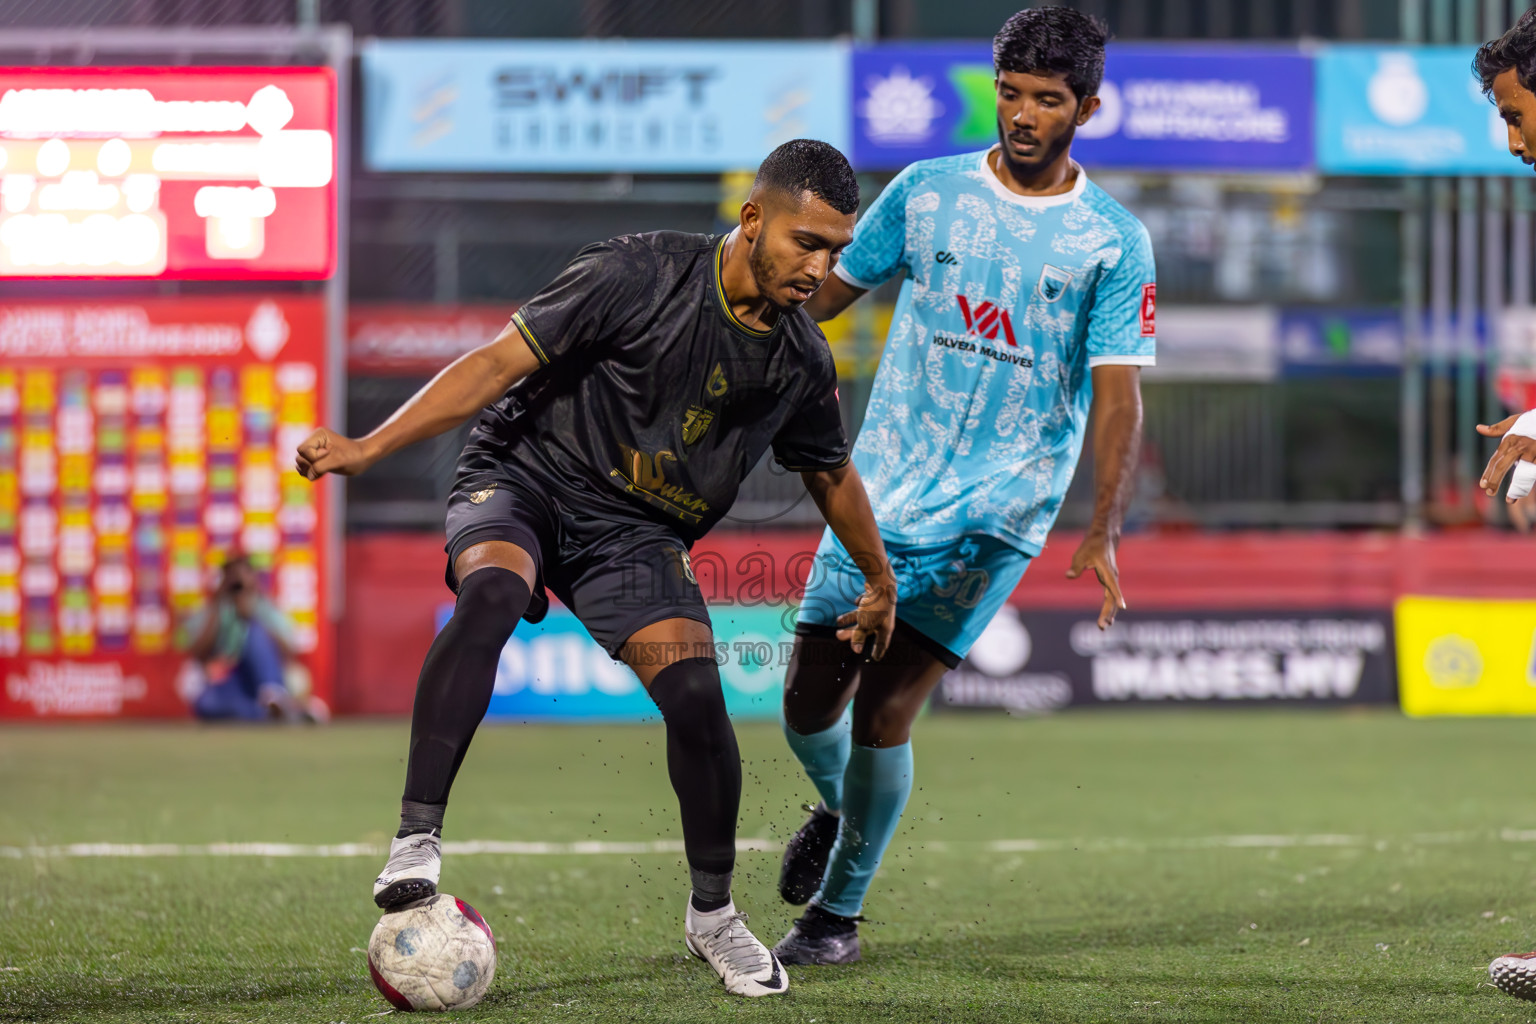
(593, 105)
(140, 443)
(1033, 661)
(1163, 107)
(1407, 110)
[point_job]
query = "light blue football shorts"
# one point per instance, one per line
(946, 592)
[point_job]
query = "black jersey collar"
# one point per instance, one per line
(725, 302)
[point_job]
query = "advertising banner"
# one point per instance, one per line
(554, 671)
(418, 339)
(1174, 107)
(181, 172)
(1216, 343)
(596, 105)
(1031, 661)
(1330, 341)
(1407, 110)
(141, 442)
(1460, 656)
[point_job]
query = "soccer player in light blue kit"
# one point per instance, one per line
(1029, 300)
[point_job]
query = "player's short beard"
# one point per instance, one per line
(1025, 170)
(764, 273)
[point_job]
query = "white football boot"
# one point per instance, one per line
(411, 872)
(1515, 974)
(746, 966)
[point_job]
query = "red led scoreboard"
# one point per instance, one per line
(185, 172)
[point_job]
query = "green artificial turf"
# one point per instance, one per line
(1401, 885)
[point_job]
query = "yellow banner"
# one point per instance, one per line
(1466, 657)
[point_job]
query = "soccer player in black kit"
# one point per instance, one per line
(623, 406)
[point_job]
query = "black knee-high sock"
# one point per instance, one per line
(454, 690)
(705, 768)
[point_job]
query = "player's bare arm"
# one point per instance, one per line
(463, 388)
(1116, 446)
(834, 296)
(840, 495)
(1513, 449)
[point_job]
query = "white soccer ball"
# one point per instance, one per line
(438, 954)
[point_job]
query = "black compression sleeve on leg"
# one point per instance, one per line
(702, 760)
(456, 680)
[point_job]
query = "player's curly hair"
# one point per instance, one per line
(808, 165)
(1514, 49)
(1057, 40)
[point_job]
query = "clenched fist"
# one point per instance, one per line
(326, 451)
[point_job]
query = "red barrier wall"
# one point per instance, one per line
(394, 581)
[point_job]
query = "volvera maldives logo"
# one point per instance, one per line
(986, 320)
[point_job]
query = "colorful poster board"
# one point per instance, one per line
(140, 443)
(179, 172)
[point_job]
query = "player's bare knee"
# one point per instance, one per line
(495, 554)
(808, 710)
(887, 723)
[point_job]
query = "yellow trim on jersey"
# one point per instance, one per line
(526, 330)
(725, 303)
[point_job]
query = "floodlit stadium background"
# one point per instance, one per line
(308, 208)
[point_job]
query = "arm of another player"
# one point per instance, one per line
(840, 495)
(1519, 445)
(1116, 447)
(834, 296)
(467, 385)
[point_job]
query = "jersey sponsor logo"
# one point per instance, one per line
(986, 320)
(717, 385)
(945, 257)
(1053, 283)
(645, 480)
(1148, 310)
(696, 423)
(479, 497)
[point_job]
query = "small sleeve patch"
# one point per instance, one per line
(1148, 310)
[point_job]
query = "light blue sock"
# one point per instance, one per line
(825, 756)
(875, 791)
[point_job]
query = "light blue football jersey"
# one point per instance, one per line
(979, 406)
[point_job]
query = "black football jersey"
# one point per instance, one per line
(652, 393)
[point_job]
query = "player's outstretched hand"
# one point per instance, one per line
(1513, 449)
(872, 622)
(326, 451)
(1097, 553)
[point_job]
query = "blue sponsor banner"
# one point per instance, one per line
(1407, 110)
(596, 105)
(1364, 342)
(554, 671)
(1191, 108)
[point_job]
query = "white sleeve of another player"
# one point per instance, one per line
(1524, 476)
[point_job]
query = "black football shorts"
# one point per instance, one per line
(616, 574)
